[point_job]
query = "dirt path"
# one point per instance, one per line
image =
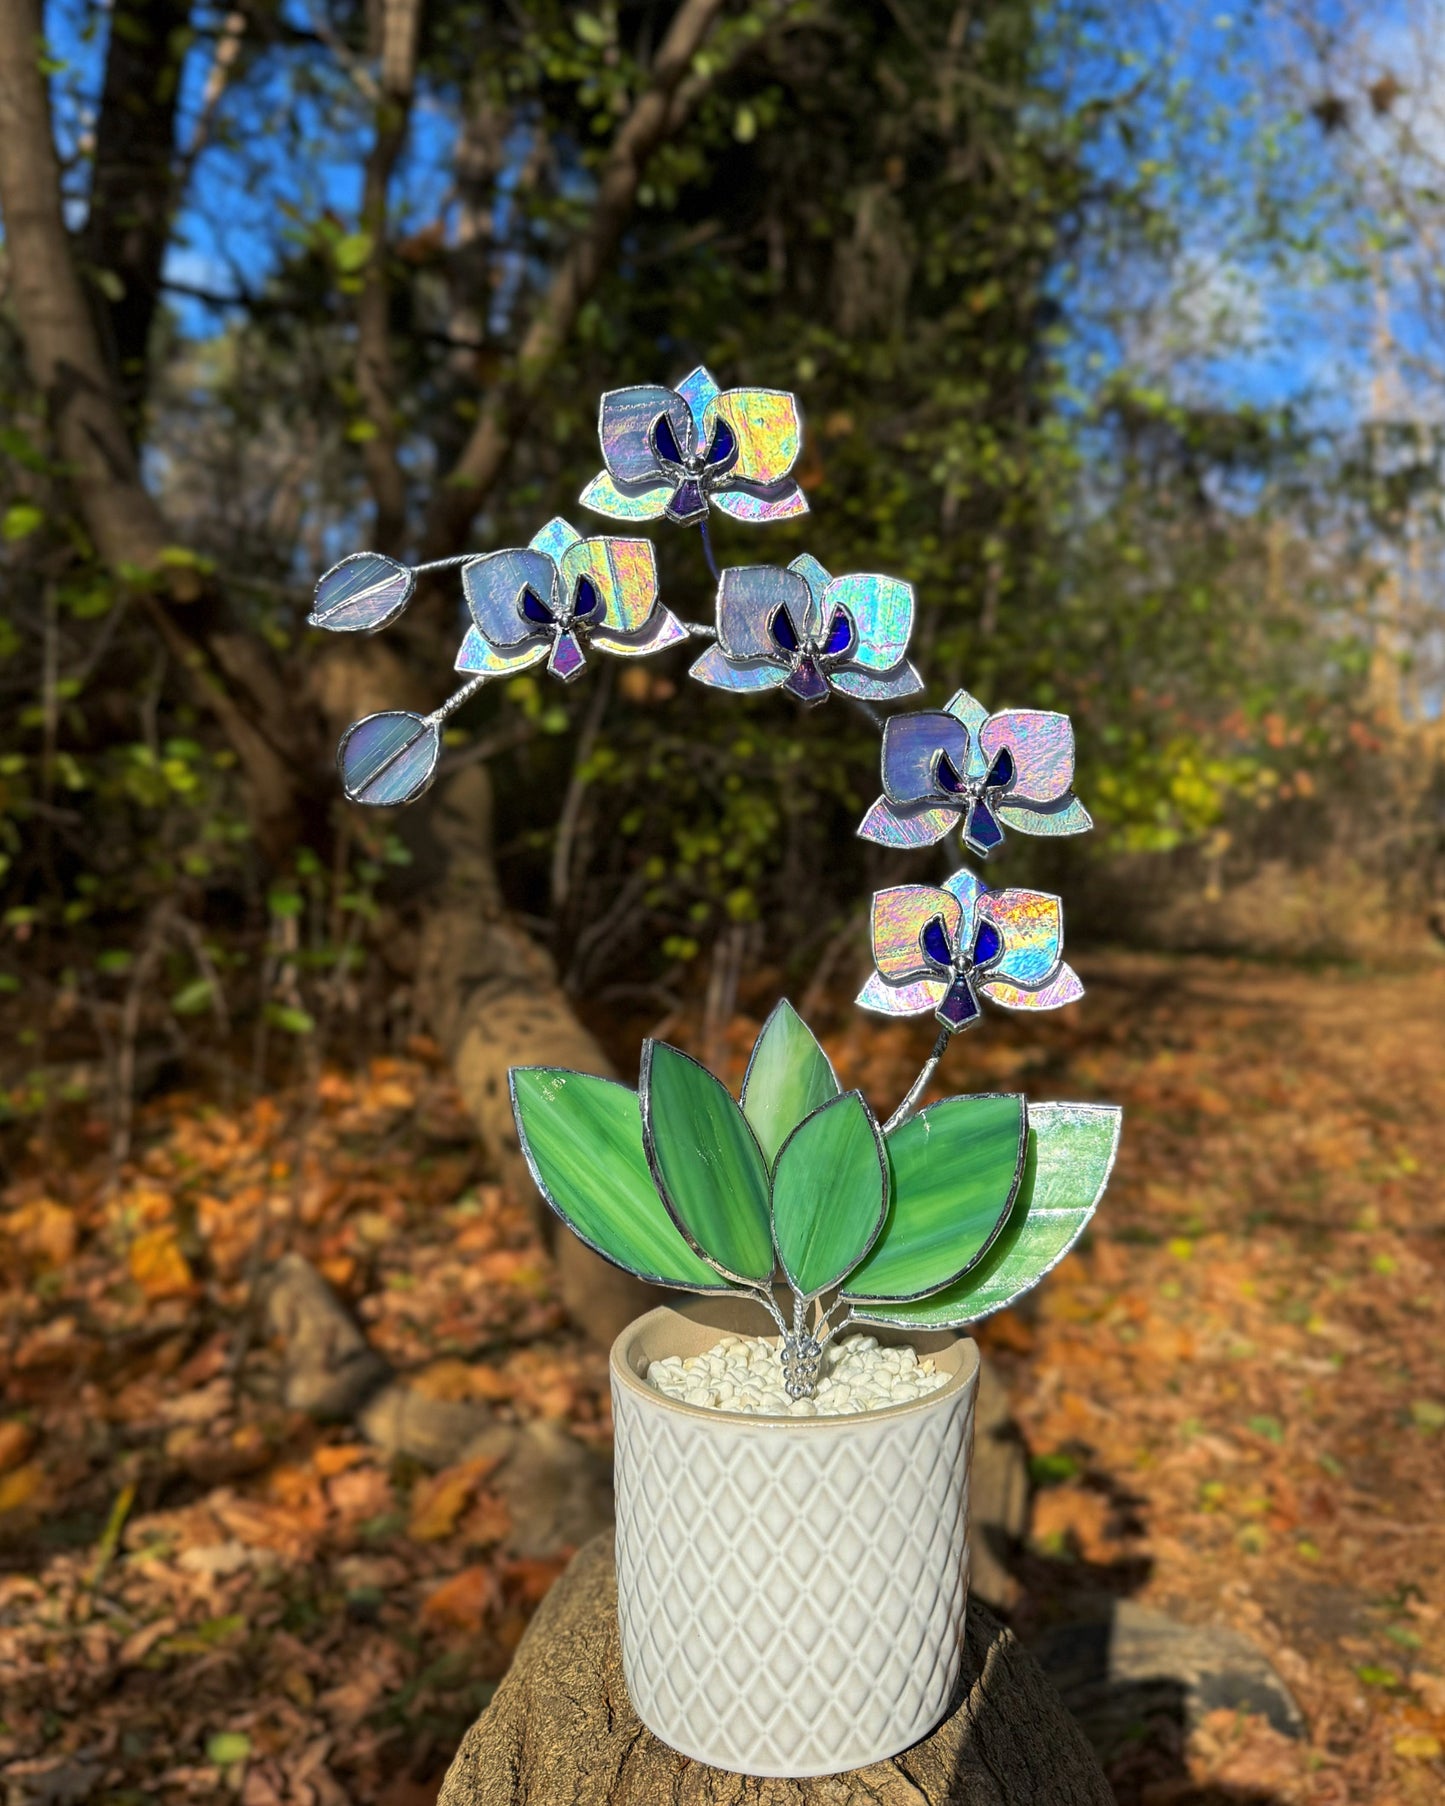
(1234, 1399)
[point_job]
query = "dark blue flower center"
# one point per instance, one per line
(987, 944)
(665, 440)
(724, 446)
(935, 944)
(948, 776)
(535, 609)
(1001, 772)
(586, 602)
(783, 631)
(840, 635)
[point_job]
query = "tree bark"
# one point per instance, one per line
(561, 1727)
(237, 679)
(395, 27)
(493, 999)
(662, 107)
(132, 188)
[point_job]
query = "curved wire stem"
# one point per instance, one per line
(707, 550)
(770, 1305)
(444, 564)
(456, 699)
(867, 708)
(908, 1109)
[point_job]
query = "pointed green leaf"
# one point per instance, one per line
(955, 1169)
(706, 1163)
(1071, 1153)
(582, 1138)
(830, 1191)
(788, 1078)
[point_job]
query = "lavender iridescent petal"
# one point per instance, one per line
(567, 657)
(1042, 745)
(624, 426)
(781, 502)
(890, 827)
(899, 917)
(554, 539)
(967, 709)
(901, 1000)
(478, 657)
(1064, 987)
(891, 686)
(1032, 925)
(807, 682)
(722, 673)
(814, 575)
(967, 890)
(1067, 816)
(493, 587)
(663, 629)
(687, 503)
(624, 574)
(882, 607)
(388, 758)
(768, 431)
(361, 594)
(630, 502)
(748, 596)
(911, 745)
(698, 390)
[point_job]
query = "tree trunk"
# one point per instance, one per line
(561, 1727)
(492, 998)
(487, 991)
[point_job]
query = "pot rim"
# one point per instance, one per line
(962, 1378)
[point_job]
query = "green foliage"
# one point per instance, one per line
(707, 1163)
(955, 1215)
(830, 1193)
(955, 1168)
(788, 1077)
(582, 1137)
(1071, 1151)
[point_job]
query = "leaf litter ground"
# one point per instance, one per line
(1233, 1399)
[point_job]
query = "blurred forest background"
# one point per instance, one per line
(1119, 331)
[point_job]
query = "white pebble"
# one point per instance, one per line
(744, 1374)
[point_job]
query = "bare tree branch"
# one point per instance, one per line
(231, 668)
(395, 27)
(133, 185)
(657, 113)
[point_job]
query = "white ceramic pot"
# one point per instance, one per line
(791, 1591)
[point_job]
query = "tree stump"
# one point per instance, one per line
(561, 1730)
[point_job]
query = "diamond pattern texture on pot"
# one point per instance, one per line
(791, 1600)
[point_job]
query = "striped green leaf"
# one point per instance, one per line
(830, 1191)
(706, 1163)
(1070, 1155)
(582, 1139)
(955, 1168)
(788, 1077)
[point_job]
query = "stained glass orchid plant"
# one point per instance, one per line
(675, 453)
(943, 1213)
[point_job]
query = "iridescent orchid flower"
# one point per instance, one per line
(962, 766)
(939, 949)
(806, 632)
(557, 595)
(676, 452)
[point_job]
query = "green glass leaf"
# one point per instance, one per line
(788, 1078)
(706, 1163)
(830, 1192)
(1070, 1155)
(955, 1169)
(582, 1138)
